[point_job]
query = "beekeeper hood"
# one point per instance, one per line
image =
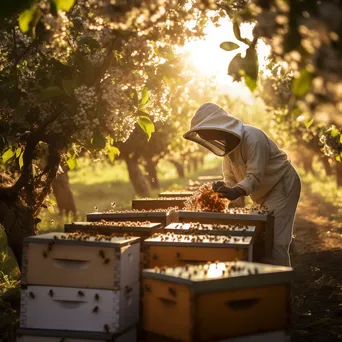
(211, 117)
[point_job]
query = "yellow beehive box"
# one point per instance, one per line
(213, 302)
(163, 216)
(158, 203)
(211, 229)
(81, 260)
(261, 219)
(177, 250)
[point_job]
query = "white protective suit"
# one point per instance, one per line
(257, 166)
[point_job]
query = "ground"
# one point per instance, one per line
(315, 252)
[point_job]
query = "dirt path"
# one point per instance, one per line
(317, 261)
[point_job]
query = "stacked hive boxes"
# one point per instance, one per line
(79, 286)
(231, 301)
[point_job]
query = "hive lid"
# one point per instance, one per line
(124, 226)
(206, 228)
(57, 238)
(129, 214)
(199, 241)
(176, 193)
(215, 277)
(238, 214)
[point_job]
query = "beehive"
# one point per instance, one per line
(212, 229)
(82, 309)
(180, 193)
(163, 216)
(38, 335)
(135, 228)
(73, 259)
(217, 301)
(210, 179)
(176, 250)
(262, 220)
(158, 203)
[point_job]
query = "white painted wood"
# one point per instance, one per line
(69, 309)
(275, 336)
(27, 335)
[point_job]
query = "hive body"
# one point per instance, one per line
(216, 302)
(34, 335)
(158, 203)
(167, 250)
(263, 222)
(74, 309)
(51, 260)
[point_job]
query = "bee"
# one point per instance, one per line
(23, 286)
(172, 292)
(31, 294)
(55, 237)
(101, 254)
(50, 246)
(97, 297)
(51, 293)
(80, 293)
(96, 309)
(45, 254)
(106, 328)
(106, 261)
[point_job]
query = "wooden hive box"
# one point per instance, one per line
(180, 193)
(210, 179)
(262, 220)
(158, 203)
(211, 229)
(134, 228)
(163, 216)
(63, 260)
(79, 309)
(217, 301)
(177, 250)
(38, 335)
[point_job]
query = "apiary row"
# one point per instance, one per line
(80, 287)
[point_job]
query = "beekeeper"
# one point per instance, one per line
(254, 166)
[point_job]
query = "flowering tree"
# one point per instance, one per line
(75, 77)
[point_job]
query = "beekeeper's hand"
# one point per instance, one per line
(217, 184)
(229, 193)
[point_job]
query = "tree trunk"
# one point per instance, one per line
(195, 164)
(138, 180)
(327, 166)
(151, 168)
(338, 168)
(18, 221)
(179, 167)
(64, 197)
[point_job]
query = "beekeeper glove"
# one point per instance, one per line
(230, 193)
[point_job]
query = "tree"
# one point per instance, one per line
(78, 77)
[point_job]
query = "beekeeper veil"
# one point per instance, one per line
(215, 129)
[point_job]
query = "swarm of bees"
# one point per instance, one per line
(206, 199)
(198, 228)
(121, 223)
(161, 199)
(205, 238)
(141, 211)
(82, 236)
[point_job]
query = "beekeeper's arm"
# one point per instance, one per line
(229, 179)
(257, 159)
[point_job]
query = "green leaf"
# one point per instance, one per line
(63, 5)
(8, 154)
(302, 84)
(91, 42)
(146, 125)
(26, 17)
(98, 141)
(237, 33)
(72, 163)
(51, 92)
(309, 123)
(250, 83)
(338, 158)
(144, 97)
(21, 160)
(334, 132)
(229, 46)
(235, 66)
(250, 63)
(340, 138)
(112, 151)
(51, 201)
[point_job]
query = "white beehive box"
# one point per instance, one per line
(79, 309)
(34, 335)
(50, 259)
